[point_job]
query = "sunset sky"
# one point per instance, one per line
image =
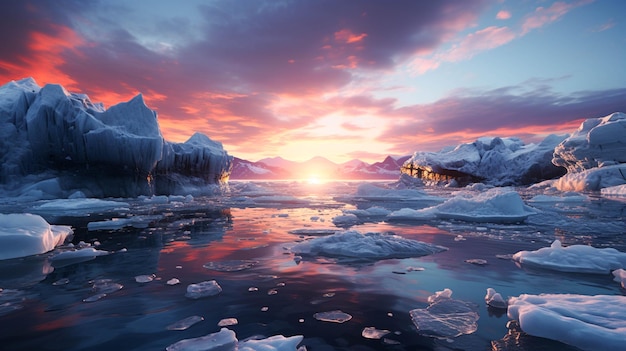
(340, 79)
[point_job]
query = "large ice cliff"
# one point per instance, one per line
(53, 142)
(492, 160)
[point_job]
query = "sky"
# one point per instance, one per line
(340, 79)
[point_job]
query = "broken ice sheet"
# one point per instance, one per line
(335, 316)
(146, 278)
(184, 324)
(373, 333)
(227, 322)
(230, 266)
(445, 317)
(203, 289)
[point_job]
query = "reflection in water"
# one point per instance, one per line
(243, 246)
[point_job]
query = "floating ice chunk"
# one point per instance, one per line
(230, 266)
(477, 261)
(620, 277)
(280, 199)
(203, 289)
(79, 207)
(574, 258)
(336, 316)
(373, 333)
(227, 322)
(173, 281)
(374, 211)
(371, 192)
(225, 339)
(313, 231)
(62, 281)
(494, 299)
(587, 322)
(185, 324)
(119, 223)
(25, 234)
(618, 190)
(145, 278)
(445, 317)
(67, 258)
(273, 343)
(409, 214)
(592, 179)
(345, 220)
(369, 246)
(94, 298)
(106, 286)
(569, 197)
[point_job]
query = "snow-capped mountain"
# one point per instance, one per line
(318, 167)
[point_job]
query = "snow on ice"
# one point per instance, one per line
(574, 258)
(587, 322)
(25, 234)
(494, 299)
(54, 135)
(494, 160)
(496, 205)
(369, 246)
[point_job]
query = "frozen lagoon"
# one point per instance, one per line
(42, 305)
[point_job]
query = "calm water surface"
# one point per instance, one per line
(42, 308)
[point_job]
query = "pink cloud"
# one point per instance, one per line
(482, 40)
(543, 15)
(503, 15)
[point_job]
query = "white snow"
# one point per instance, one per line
(587, 322)
(620, 277)
(25, 234)
(498, 161)
(226, 339)
(445, 317)
(574, 258)
(598, 142)
(497, 205)
(79, 207)
(203, 289)
(592, 179)
(369, 246)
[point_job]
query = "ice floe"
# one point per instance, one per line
(588, 322)
(336, 316)
(185, 323)
(25, 234)
(497, 205)
(620, 277)
(593, 179)
(573, 258)
(368, 246)
(226, 339)
(372, 192)
(445, 317)
(65, 258)
(79, 207)
(494, 299)
(373, 333)
(203, 289)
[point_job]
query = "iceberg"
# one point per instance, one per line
(493, 160)
(587, 322)
(25, 234)
(593, 179)
(54, 134)
(574, 258)
(369, 246)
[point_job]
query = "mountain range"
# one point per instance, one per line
(316, 168)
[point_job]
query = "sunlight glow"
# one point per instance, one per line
(314, 180)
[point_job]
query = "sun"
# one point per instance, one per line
(313, 180)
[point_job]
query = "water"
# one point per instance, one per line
(243, 245)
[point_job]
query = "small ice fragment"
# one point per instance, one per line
(264, 309)
(173, 281)
(505, 257)
(146, 278)
(223, 340)
(494, 299)
(253, 288)
(184, 324)
(439, 295)
(389, 314)
(230, 266)
(179, 267)
(301, 320)
(61, 281)
(459, 238)
(415, 269)
(476, 261)
(330, 294)
(481, 229)
(390, 342)
(445, 317)
(281, 284)
(123, 250)
(272, 292)
(94, 298)
(227, 322)
(373, 333)
(620, 277)
(106, 286)
(203, 289)
(335, 316)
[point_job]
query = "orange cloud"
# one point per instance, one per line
(348, 37)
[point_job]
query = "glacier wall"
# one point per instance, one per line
(50, 133)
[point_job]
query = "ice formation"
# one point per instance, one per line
(497, 161)
(185, 323)
(118, 151)
(445, 317)
(369, 246)
(618, 190)
(203, 289)
(496, 205)
(598, 142)
(593, 179)
(587, 322)
(80, 255)
(226, 339)
(620, 277)
(336, 316)
(25, 234)
(574, 258)
(79, 207)
(494, 299)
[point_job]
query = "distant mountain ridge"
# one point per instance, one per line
(316, 167)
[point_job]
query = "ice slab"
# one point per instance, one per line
(66, 258)
(617, 190)
(230, 265)
(336, 316)
(620, 277)
(371, 192)
(494, 299)
(445, 317)
(574, 258)
(374, 211)
(203, 289)
(369, 246)
(25, 234)
(79, 207)
(373, 333)
(587, 322)
(185, 323)
(226, 340)
(593, 179)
